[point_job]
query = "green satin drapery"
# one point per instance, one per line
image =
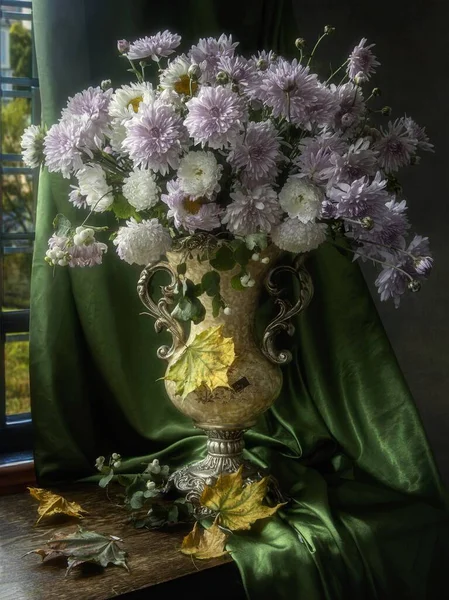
(368, 517)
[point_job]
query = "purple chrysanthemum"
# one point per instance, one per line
(77, 198)
(215, 117)
(290, 90)
(207, 53)
(395, 148)
(351, 105)
(357, 162)
(155, 46)
(360, 198)
(87, 255)
(252, 211)
(154, 138)
(321, 110)
(92, 105)
(65, 144)
(362, 61)
(192, 214)
(391, 283)
(258, 153)
(240, 71)
(314, 162)
(419, 134)
(420, 259)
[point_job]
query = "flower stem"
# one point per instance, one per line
(335, 72)
(320, 39)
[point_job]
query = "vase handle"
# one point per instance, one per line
(160, 310)
(283, 320)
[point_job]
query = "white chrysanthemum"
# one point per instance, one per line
(118, 134)
(300, 199)
(93, 185)
(140, 189)
(294, 236)
(176, 78)
(142, 243)
(32, 143)
(199, 174)
(126, 100)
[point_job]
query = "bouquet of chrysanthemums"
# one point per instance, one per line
(240, 152)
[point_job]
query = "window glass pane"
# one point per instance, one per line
(17, 379)
(17, 202)
(16, 116)
(16, 45)
(16, 280)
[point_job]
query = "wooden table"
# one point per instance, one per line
(153, 558)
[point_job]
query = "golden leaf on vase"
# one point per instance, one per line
(205, 543)
(51, 504)
(203, 362)
(237, 506)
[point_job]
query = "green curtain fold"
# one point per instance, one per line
(368, 517)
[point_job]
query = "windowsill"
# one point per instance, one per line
(16, 472)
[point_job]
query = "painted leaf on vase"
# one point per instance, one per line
(51, 504)
(203, 362)
(237, 506)
(84, 547)
(205, 543)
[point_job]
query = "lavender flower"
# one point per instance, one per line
(420, 261)
(362, 61)
(207, 53)
(419, 134)
(392, 283)
(122, 46)
(32, 143)
(92, 105)
(190, 213)
(314, 162)
(357, 162)
(253, 211)
(360, 198)
(155, 46)
(77, 198)
(322, 110)
(258, 153)
(155, 136)
(87, 255)
(290, 90)
(65, 145)
(62, 252)
(351, 105)
(215, 117)
(395, 147)
(239, 71)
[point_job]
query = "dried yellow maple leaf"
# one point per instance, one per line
(236, 505)
(205, 361)
(205, 543)
(52, 504)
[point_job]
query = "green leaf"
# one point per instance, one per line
(173, 514)
(217, 304)
(137, 500)
(198, 290)
(62, 225)
(210, 283)
(181, 268)
(189, 309)
(125, 480)
(236, 284)
(106, 479)
(137, 484)
(256, 240)
(123, 209)
(223, 260)
(242, 254)
(85, 547)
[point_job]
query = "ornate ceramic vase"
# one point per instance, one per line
(255, 376)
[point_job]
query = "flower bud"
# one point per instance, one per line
(262, 64)
(115, 456)
(265, 260)
(328, 29)
(123, 46)
(386, 111)
(106, 84)
(251, 282)
(414, 285)
(194, 72)
(415, 160)
(360, 78)
(367, 223)
(150, 485)
(227, 311)
(300, 43)
(117, 464)
(376, 92)
(222, 78)
(347, 119)
(235, 88)
(423, 265)
(255, 257)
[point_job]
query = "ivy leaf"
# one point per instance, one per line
(62, 225)
(217, 304)
(104, 481)
(236, 284)
(51, 504)
(242, 254)
(189, 309)
(223, 260)
(205, 543)
(181, 268)
(84, 547)
(205, 361)
(210, 283)
(137, 500)
(256, 240)
(237, 506)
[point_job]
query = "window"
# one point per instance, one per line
(20, 106)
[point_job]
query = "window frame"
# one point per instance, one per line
(15, 430)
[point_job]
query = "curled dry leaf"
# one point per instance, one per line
(237, 506)
(84, 547)
(51, 504)
(205, 543)
(205, 361)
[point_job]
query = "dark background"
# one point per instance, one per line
(411, 44)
